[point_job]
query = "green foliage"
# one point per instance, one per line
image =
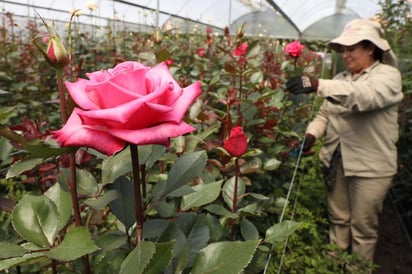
(224, 257)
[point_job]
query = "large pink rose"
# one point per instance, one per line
(130, 103)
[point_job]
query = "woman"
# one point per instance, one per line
(359, 123)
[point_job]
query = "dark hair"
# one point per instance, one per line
(377, 52)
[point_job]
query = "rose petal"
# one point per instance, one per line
(154, 135)
(78, 95)
(139, 114)
(118, 90)
(74, 133)
(145, 115)
(126, 67)
(123, 113)
(182, 104)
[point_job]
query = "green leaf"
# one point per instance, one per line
(196, 231)
(216, 231)
(224, 257)
(194, 141)
(220, 211)
(253, 49)
(9, 250)
(138, 258)
(123, 207)
(121, 163)
(6, 264)
(76, 243)
(272, 164)
(229, 190)
(180, 261)
(185, 169)
(173, 233)
(162, 55)
(280, 231)
(5, 149)
(22, 166)
(257, 77)
(111, 240)
(181, 249)
(86, 183)
(116, 166)
(149, 154)
(162, 257)
(36, 219)
(6, 112)
(181, 191)
(101, 202)
(258, 196)
(63, 202)
(154, 228)
(252, 166)
(44, 150)
(166, 209)
(204, 194)
(248, 230)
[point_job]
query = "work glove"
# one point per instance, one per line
(306, 146)
(302, 84)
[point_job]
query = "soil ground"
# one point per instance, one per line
(394, 250)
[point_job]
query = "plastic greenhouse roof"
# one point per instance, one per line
(299, 15)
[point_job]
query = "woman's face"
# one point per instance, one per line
(358, 57)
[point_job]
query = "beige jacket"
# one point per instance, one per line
(361, 114)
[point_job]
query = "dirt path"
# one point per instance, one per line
(393, 253)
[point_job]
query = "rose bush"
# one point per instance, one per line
(130, 103)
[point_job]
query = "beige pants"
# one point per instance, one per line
(354, 205)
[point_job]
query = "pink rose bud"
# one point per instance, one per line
(236, 144)
(56, 53)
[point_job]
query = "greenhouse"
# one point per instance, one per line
(218, 136)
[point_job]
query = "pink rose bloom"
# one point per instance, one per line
(236, 144)
(130, 103)
(241, 50)
(294, 48)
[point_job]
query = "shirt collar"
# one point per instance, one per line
(347, 73)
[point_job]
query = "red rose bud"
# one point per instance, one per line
(294, 49)
(200, 52)
(236, 144)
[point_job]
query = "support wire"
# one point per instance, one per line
(292, 181)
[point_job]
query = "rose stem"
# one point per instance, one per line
(143, 171)
(72, 160)
(236, 183)
(73, 185)
(137, 193)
